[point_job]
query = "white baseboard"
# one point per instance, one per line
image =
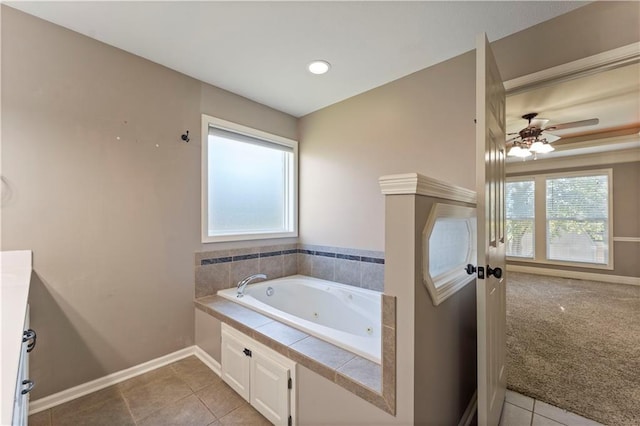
(120, 376)
(467, 416)
(208, 360)
(607, 278)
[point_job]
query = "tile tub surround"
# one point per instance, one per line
(221, 269)
(359, 268)
(370, 381)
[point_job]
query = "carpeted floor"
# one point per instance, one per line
(575, 344)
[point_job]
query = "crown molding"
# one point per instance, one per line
(600, 62)
(417, 184)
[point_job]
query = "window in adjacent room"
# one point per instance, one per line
(520, 212)
(249, 183)
(573, 224)
(578, 218)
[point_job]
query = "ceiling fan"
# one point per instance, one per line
(536, 139)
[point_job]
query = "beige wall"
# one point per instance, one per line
(424, 123)
(113, 224)
(592, 29)
(626, 219)
(445, 341)
(420, 123)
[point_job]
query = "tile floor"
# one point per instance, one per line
(520, 410)
(186, 392)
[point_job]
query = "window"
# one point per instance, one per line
(573, 221)
(520, 218)
(577, 219)
(249, 183)
(449, 244)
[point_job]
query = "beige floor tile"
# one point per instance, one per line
(244, 415)
(520, 400)
(87, 402)
(188, 411)
(111, 412)
(539, 420)
(143, 379)
(145, 399)
(43, 418)
(194, 373)
(513, 415)
(562, 416)
(220, 398)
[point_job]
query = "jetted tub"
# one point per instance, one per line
(347, 316)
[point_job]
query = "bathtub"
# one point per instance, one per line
(347, 316)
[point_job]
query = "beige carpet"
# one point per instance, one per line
(575, 344)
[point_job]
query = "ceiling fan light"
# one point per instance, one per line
(513, 152)
(544, 148)
(519, 152)
(537, 146)
(516, 151)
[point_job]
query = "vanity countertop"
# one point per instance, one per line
(15, 275)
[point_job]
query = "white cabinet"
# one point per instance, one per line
(15, 275)
(23, 384)
(236, 364)
(260, 375)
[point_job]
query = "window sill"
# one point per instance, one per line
(608, 267)
(248, 237)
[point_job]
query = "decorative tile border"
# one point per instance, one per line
(226, 259)
(221, 269)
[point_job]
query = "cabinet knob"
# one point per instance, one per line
(29, 386)
(31, 337)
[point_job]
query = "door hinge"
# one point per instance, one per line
(480, 272)
(247, 352)
(290, 421)
(290, 383)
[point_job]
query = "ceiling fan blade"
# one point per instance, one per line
(538, 122)
(550, 137)
(590, 122)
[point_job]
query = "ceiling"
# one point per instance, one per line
(612, 96)
(260, 49)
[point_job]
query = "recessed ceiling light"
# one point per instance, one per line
(319, 67)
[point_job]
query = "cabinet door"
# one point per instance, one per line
(270, 389)
(235, 365)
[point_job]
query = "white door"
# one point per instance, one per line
(270, 389)
(491, 282)
(236, 364)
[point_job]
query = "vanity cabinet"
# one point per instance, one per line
(16, 337)
(23, 383)
(260, 375)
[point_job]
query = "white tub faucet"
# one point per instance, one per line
(243, 283)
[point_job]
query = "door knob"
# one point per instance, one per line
(496, 272)
(470, 269)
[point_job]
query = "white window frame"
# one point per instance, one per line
(449, 282)
(540, 225)
(292, 192)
